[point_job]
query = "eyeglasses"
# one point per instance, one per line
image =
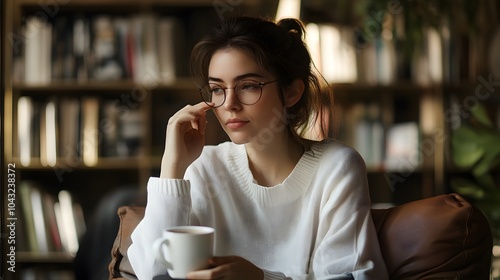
(247, 92)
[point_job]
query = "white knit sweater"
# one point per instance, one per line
(316, 224)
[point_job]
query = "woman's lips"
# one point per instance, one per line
(235, 123)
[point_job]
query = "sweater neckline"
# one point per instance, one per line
(294, 186)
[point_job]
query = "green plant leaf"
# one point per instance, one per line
(490, 142)
(488, 183)
(466, 150)
(482, 116)
(467, 188)
(486, 163)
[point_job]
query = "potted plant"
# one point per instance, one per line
(475, 147)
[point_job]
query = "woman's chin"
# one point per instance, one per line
(237, 139)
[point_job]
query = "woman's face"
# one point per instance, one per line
(259, 123)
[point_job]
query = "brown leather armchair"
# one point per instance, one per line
(442, 237)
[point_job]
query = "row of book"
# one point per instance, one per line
(76, 130)
(383, 148)
(346, 54)
(142, 47)
(48, 223)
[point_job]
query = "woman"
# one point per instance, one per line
(283, 206)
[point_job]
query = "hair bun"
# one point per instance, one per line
(292, 25)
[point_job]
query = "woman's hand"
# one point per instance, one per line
(184, 140)
(231, 267)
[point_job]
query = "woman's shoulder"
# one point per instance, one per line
(334, 153)
(333, 147)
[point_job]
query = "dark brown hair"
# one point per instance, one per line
(278, 48)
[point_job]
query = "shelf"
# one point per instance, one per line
(44, 257)
(400, 86)
(131, 3)
(92, 85)
(102, 163)
(133, 6)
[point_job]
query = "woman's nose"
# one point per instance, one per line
(231, 102)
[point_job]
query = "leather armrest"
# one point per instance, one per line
(442, 237)
(119, 267)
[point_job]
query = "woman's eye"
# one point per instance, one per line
(249, 86)
(217, 90)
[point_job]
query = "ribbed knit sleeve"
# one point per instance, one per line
(347, 242)
(169, 204)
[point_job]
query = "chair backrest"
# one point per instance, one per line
(442, 237)
(93, 256)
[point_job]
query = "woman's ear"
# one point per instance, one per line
(294, 92)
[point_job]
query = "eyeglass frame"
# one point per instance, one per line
(261, 84)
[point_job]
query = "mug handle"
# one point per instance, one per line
(157, 248)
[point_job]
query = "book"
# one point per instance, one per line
(338, 55)
(49, 133)
(110, 131)
(53, 235)
(385, 60)
(428, 59)
(64, 210)
(146, 68)
(25, 188)
(332, 53)
(70, 126)
(435, 52)
(90, 130)
(367, 64)
(63, 64)
(402, 152)
(168, 32)
(106, 65)
(123, 46)
(61, 227)
(25, 116)
(131, 134)
(369, 135)
(39, 220)
(81, 47)
(37, 51)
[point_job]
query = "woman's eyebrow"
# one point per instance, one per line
(237, 78)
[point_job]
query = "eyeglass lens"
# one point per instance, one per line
(247, 92)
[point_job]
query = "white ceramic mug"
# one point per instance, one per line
(183, 249)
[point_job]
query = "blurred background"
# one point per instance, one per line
(88, 86)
